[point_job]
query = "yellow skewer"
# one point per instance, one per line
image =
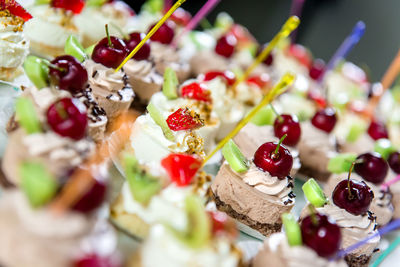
(290, 25)
(279, 88)
(155, 28)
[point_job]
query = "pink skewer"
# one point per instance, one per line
(386, 185)
(201, 14)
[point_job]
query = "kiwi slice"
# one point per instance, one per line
(74, 48)
(198, 230)
(314, 193)
(384, 147)
(89, 50)
(142, 185)
(341, 163)
(37, 71)
(156, 115)
(357, 128)
(26, 115)
(42, 2)
(234, 157)
(292, 230)
(95, 3)
(265, 116)
(37, 183)
(153, 6)
(170, 84)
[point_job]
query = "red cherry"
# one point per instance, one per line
(300, 53)
(371, 167)
(181, 17)
(112, 55)
(226, 45)
(69, 74)
(165, 34)
(227, 75)
(15, 9)
(289, 125)
(269, 59)
(92, 199)
(94, 260)
(353, 196)
(197, 91)
(276, 164)
(75, 6)
(67, 117)
(317, 69)
(222, 224)
(261, 81)
(325, 119)
(134, 39)
(377, 130)
(394, 161)
(321, 235)
(183, 119)
(181, 168)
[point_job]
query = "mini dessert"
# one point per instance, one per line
(164, 55)
(110, 89)
(51, 26)
(257, 192)
(156, 195)
(372, 169)
(349, 207)
(32, 234)
(205, 240)
(317, 145)
(252, 136)
(96, 14)
(393, 174)
(312, 244)
(14, 47)
(164, 132)
(141, 70)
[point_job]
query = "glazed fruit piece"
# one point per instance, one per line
(394, 162)
(110, 51)
(236, 160)
(184, 119)
(75, 6)
(26, 115)
(68, 74)
(325, 119)
(226, 45)
(134, 39)
(181, 17)
(38, 185)
(197, 91)
(377, 130)
(323, 236)
(274, 158)
(289, 125)
(181, 168)
(15, 9)
(301, 54)
(222, 224)
(37, 71)
(95, 260)
(165, 34)
(292, 230)
(371, 167)
(170, 84)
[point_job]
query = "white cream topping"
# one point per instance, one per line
(14, 47)
(173, 253)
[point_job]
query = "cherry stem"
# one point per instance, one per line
(108, 37)
(123, 34)
(348, 178)
(313, 218)
(276, 113)
(61, 111)
(276, 152)
(53, 66)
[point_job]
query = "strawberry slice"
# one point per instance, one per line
(181, 168)
(196, 91)
(222, 224)
(317, 97)
(227, 75)
(75, 6)
(184, 119)
(15, 9)
(261, 81)
(181, 17)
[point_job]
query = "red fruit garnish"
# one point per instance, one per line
(289, 125)
(67, 118)
(261, 81)
(134, 39)
(241, 33)
(75, 6)
(300, 53)
(94, 260)
(164, 34)
(371, 167)
(181, 17)
(93, 198)
(226, 45)
(317, 69)
(317, 97)
(110, 54)
(196, 91)
(227, 75)
(325, 119)
(181, 168)
(222, 224)
(377, 130)
(15, 9)
(184, 119)
(394, 162)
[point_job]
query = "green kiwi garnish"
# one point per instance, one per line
(314, 193)
(156, 115)
(292, 230)
(170, 85)
(37, 71)
(234, 157)
(26, 115)
(74, 48)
